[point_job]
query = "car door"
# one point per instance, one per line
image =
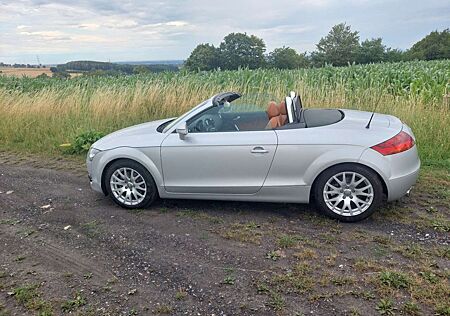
(234, 162)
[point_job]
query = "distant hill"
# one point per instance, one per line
(99, 66)
(152, 62)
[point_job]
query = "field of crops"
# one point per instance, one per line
(37, 115)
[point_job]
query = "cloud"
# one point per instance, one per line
(177, 23)
(47, 35)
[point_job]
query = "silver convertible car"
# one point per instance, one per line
(227, 148)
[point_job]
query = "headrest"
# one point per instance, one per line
(282, 107)
(272, 109)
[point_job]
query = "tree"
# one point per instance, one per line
(203, 57)
(141, 69)
(241, 50)
(371, 51)
(435, 45)
(394, 55)
(339, 47)
(287, 58)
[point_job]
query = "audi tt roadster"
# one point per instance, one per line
(233, 148)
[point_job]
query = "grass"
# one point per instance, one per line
(28, 296)
(40, 114)
(246, 233)
(163, 309)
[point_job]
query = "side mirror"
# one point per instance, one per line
(182, 131)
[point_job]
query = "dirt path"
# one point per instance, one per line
(72, 250)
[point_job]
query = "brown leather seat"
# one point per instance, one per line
(283, 113)
(277, 114)
(273, 112)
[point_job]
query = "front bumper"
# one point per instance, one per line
(94, 180)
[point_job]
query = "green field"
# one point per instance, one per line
(40, 114)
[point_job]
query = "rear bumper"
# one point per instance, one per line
(399, 171)
(400, 186)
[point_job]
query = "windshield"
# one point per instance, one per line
(180, 118)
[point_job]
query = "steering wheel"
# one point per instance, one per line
(208, 123)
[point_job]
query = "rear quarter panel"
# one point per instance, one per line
(303, 153)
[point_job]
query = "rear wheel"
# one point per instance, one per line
(129, 184)
(348, 192)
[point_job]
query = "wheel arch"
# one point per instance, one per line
(137, 156)
(383, 182)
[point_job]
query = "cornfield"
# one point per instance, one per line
(39, 114)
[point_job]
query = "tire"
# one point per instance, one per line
(124, 176)
(348, 201)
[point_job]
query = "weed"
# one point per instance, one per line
(229, 280)
(276, 301)
(286, 241)
(395, 280)
(84, 140)
(386, 307)
(73, 304)
(273, 255)
(411, 308)
(262, 288)
(429, 276)
(441, 225)
(11, 222)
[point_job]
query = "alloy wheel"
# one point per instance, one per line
(128, 186)
(348, 193)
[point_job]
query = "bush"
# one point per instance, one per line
(84, 141)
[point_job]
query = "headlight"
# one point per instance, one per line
(92, 153)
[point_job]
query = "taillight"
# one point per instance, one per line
(397, 144)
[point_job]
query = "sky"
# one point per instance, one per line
(124, 30)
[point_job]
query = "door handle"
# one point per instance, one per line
(259, 150)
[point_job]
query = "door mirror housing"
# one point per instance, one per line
(182, 130)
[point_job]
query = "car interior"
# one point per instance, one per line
(288, 114)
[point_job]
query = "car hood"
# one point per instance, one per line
(142, 135)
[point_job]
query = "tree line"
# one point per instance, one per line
(340, 47)
(88, 67)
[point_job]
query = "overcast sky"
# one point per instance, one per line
(123, 30)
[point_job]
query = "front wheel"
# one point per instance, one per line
(347, 192)
(129, 184)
